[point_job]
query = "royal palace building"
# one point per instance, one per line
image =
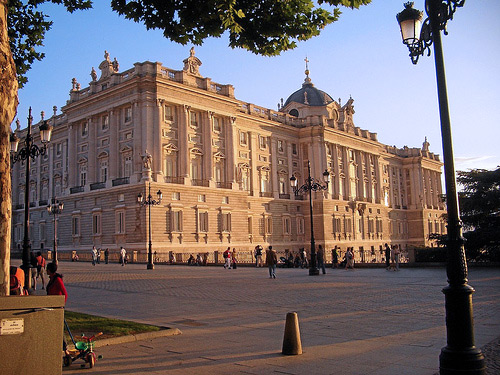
(223, 167)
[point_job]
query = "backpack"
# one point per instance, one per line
(225, 254)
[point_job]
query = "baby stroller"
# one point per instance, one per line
(83, 349)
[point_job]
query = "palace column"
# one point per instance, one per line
(184, 162)
(157, 151)
(231, 147)
(114, 149)
(206, 136)
(92, 152)
(73, 170)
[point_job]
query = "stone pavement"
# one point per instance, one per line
(366, 321)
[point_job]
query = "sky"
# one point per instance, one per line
(360, 56)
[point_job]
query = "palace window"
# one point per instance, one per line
(104, 171)
(224, 222)
(128, 114)
(193, 119)
(300, 225)
(120, 222)
(176, 221)
(168, 113)
(104, 122)
(243, 138)
(287, 225)
(262, 142)
(96, 224)
(281, 148)
(83, 174)
(85, 129)
(202, 221)
(217, 125)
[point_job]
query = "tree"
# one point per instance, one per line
(480, 212)
(265, 27)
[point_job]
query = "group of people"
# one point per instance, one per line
(199, 261)
(96, 255)
(392, 255)
(230, 258)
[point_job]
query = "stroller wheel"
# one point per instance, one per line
(67, 361)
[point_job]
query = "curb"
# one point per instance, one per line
(138, 337)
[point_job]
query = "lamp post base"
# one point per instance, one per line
(151, 266)
(470, 362)
(313, 271)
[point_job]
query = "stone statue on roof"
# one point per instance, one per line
(192, 63)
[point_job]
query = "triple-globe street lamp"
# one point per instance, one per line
(30, 151)
(460, 354)
(149, 201)
(55, 208)
(310, 186)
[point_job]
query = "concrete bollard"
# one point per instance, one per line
(291, 340)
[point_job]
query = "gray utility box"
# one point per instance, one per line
(31, 334)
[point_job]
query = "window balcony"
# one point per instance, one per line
(197, 182)
(284, 196)
(224, 185)
(299, 197)
(19, 206)
(42, 202)
(97, 185)
(76, 189)
(266, 194)
(32, 204)
(121, 181)
(174, 180)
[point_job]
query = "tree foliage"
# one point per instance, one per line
(480, 212)
(264, 27)
(27, 27)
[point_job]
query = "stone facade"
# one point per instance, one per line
(224, 168)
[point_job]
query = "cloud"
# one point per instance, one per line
(476, 162)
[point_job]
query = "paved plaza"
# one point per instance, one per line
(366, 321)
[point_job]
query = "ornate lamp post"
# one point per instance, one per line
(310, 186)
(55, 208)
(27, 152)
(149, 201)
(460, 355)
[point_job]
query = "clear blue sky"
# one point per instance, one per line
(361, 56)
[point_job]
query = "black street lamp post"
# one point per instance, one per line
(55, 208)
(27, 152)
(460, 354)
(149, 202)
(310, 186)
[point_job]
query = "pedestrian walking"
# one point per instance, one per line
(258, 256)
(303, 258)
(94, 255)
(271, 262)
(106, 256)
(392, 266)
(387, 257)
(123, 256)
(234, 258)
(321, 259)
(349, 258)
(335, 258)
(397, 254)
(40, 268)
(99, 256)
(227, 258)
